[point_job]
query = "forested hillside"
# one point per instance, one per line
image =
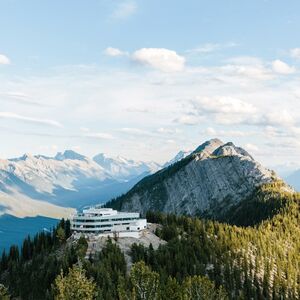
(202, 257)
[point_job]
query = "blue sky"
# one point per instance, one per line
(145, 79)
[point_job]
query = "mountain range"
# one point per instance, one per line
(40, 185)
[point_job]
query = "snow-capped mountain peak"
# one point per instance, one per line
(123, 168)
(179, 156)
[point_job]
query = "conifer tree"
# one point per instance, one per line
(74, 286)
(4, 295)
(145, 282)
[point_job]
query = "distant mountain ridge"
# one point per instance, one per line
(125, 169)
(179, 156)
(33, 185)
(209, 181)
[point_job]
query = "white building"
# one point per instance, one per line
(98, 221)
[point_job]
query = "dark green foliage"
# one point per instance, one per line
(81, 247)
(30, 272)
(146, 284)
(107, 268)
(264, 203)
(260, 262)
(4, 294)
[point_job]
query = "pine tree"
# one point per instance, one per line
(172, 290)
(145, 282)
(4, 295)
(201, 288)
(74, 286)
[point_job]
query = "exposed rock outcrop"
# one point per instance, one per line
(213, 178)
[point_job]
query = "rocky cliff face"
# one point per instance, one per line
(212, 179)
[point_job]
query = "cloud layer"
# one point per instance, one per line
(155, 103)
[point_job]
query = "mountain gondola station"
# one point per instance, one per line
(96, 221)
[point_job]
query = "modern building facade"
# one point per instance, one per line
(98, 220)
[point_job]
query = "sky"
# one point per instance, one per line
(145, 79)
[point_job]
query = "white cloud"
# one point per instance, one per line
(124, 10)
(281, 67)
(170, 141)
(168, 130)
(295, 53)
(222, 105)
(138, 110)
(233, 111)
(188, 120)
(98, 135)
(160, 58)
(20, 98)
(210, 131)
(273, 132)
(4, 60)
(84, 129)
(257, 72)
(256, 68)
(87, 133)
(251, 147)
(282, 118)
(211, 47)
(136, 131)
(227, 133)
(48, 147)
(244, 60)
(110, 51)
(11, 115)
(206, 48)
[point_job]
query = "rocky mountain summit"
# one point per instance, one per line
(212, 179)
